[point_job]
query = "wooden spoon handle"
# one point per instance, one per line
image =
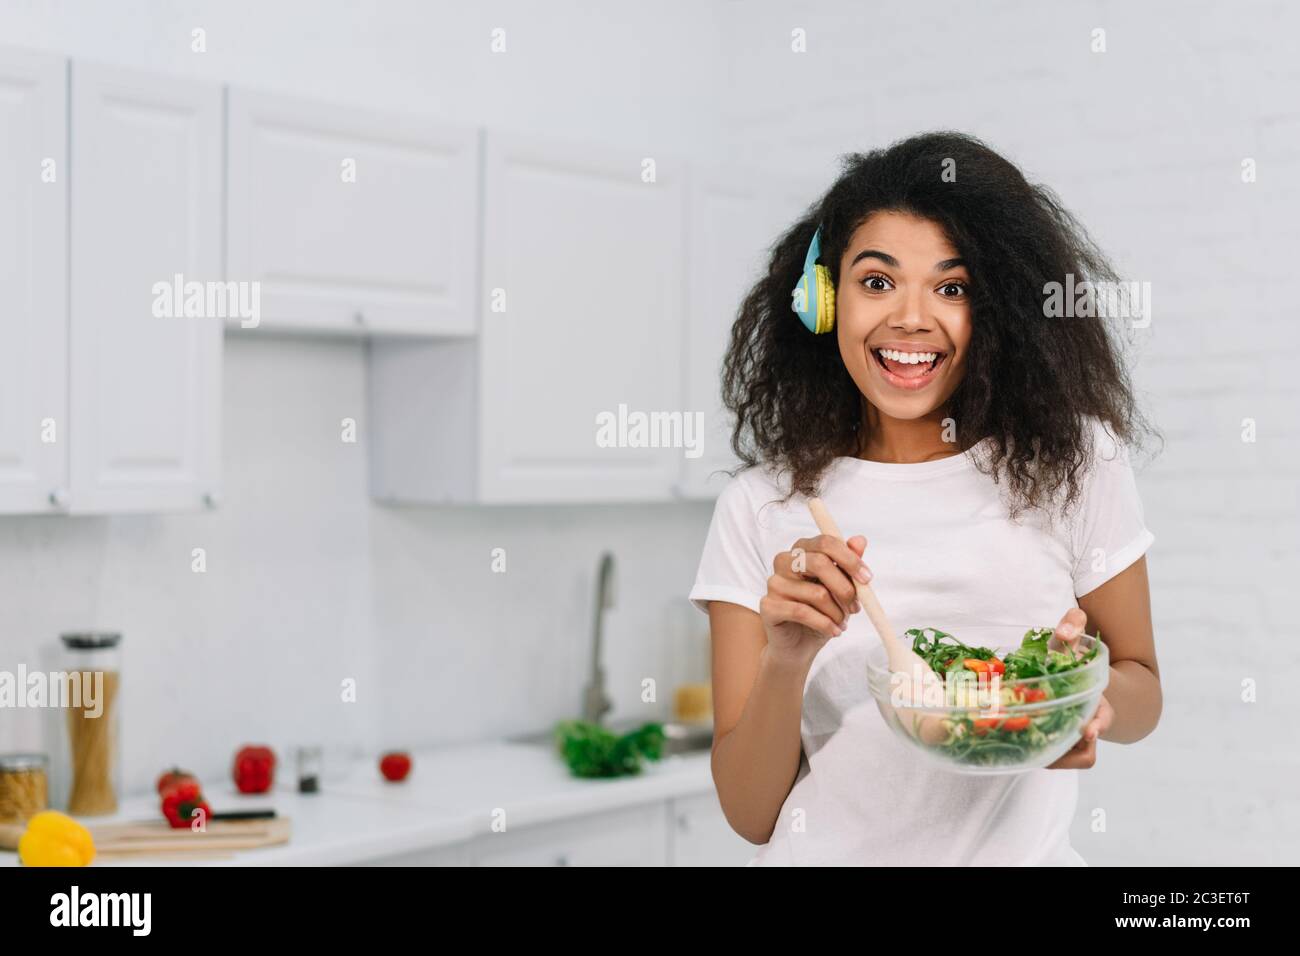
(826, 525)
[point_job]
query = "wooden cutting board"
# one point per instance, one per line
(156, 837)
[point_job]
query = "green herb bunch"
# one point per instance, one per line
(591, 750)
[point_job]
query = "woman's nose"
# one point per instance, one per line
(910, 316)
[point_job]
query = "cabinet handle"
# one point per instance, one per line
(59, 498)
(562, 860)
(359, 318)
(211, 499)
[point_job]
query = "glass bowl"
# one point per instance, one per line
(963, 725)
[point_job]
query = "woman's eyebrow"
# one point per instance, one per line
(941, 266)
(884, 257)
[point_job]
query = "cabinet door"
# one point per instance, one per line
(146, 195)
(632, 837)
(587, 259)
(735, 217)
(352, 220)
(701, 835)
(33, 282)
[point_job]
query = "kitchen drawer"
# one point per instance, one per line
(454, 855)
(632, 837)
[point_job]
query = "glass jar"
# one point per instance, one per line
(24, 789)
(309, 769)
(89, 759)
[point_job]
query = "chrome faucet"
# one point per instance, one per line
(595, 702)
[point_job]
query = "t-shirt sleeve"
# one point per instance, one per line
(1109, 530)
(732, 569)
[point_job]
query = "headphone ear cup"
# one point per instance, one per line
(807, 301)
(825, 300)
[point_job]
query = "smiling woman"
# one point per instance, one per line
(982, 444)
(937, 244)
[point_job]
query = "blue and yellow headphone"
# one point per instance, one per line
(813, 298)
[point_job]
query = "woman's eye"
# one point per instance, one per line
(952, 290)
(877, 283)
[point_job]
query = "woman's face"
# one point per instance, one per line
(902, 314)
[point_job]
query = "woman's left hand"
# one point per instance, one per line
(1084, 753)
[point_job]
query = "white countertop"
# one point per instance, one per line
(449, 797)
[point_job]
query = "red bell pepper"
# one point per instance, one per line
(182, 803)
(254, 769)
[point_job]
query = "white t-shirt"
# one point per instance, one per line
(944, 554)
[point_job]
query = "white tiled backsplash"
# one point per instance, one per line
(308, 584)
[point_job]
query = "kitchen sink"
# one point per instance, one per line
(679, 738)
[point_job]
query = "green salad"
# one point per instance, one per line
(985, 737)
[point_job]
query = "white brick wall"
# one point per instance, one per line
(1144, 143)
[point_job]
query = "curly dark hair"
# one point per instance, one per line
(1030, 381)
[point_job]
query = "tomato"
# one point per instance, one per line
(395, 766)
(976, 665)
(984, 724)
(174, 778)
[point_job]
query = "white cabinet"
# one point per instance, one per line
(457, 854)
(631, 837)
(33, 282)
(352, 220)
(686, 831)
(581, 326)
(701, 836)
(146, 207)
(735, 216)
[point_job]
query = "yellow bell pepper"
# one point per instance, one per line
(54, 839)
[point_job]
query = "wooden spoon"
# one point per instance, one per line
(902, 659)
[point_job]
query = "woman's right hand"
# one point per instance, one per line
(811, 593)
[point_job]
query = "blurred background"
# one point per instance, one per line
(475, 229)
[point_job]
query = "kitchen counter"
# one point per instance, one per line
(452, 796)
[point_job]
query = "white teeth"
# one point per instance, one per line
(909, 358)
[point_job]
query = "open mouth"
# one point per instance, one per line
(908, 368)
